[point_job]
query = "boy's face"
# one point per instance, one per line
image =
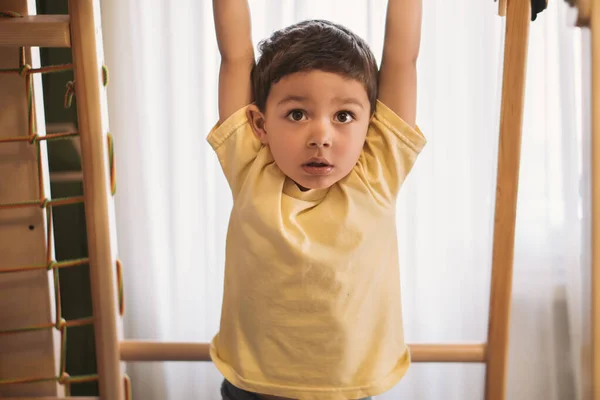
(315, 124)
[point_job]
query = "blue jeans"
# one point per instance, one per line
(230, 392)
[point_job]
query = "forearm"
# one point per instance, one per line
(398, 72)
(233, 29)
(402, 31)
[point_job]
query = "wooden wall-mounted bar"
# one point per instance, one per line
(518, 18)
(141, 350)
(502, 8)
(35, 31)
(449, 353)
(132, 350)
(88, 59)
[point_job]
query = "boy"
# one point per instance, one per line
(315, 143)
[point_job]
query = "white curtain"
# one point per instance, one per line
(173, 202)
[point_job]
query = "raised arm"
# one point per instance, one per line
(233, 30)
(398, 72)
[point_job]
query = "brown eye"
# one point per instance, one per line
(344, 117)
(296, 115)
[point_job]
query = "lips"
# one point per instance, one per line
(317, 166)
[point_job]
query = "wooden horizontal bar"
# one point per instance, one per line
(168, 351)
(66, 176)
(35, 31)
(467, 352)
(163, 351)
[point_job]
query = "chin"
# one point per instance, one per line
(317, 183)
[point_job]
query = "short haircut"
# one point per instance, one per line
(314, 45)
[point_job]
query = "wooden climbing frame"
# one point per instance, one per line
(79, 29)
(39, 352)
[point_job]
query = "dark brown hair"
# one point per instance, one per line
(313, 45)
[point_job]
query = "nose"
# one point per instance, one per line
(320, 137)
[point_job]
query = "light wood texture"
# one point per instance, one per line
(502, 8)
(584, 12)
(464, 353)
(66, 176)
(132, 350)
(518, 17)
(26, 299)
(87, 67)
(35, 30)
(595, 161)
(140, 350)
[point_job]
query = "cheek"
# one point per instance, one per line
(285, 140)
(353, 141)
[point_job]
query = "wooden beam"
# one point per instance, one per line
(449, 353)
(146, 350)
(518, 17)
(132, 350)
(66, 176)
(35, 31)
(99, 211)
(502, 8)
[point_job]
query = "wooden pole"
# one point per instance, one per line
(87, 67)
(507, 181)
(502, 8)
(595, 175)
(135, 350)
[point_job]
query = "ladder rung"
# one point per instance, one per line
(148, 350)
(168, 351)
(467, 353)
(35, 31)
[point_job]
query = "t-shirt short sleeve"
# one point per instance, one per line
(236, 147)
(390, 151)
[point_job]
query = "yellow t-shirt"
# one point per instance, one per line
(311, 306)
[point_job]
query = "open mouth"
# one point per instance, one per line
(317, 164)
(317, 167)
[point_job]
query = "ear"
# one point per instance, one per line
(257, 121)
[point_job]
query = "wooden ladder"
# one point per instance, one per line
(28, 298)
